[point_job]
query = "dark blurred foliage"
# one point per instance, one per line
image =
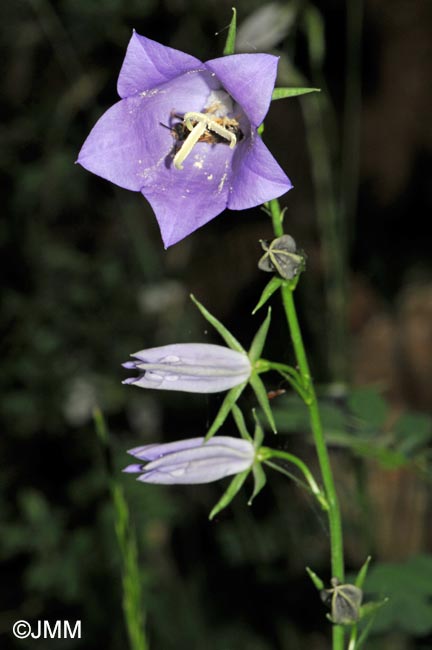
(87, 282)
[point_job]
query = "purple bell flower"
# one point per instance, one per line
(185, 135)
(190, 367)
(193, 460)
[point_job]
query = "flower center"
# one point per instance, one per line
(212, 126)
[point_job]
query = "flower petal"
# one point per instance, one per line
(201, 464)
(250, 79)
(153, 451)
(148, 64)
(202, 471)
(190, 367)
(256, 176)
(129, 145)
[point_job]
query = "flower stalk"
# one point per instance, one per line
(333, 512)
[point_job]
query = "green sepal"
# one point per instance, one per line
(268, 291)
(318, 583)
(370, 608)
(261, 395)
(229, 339)
(232, 32)
(260, 129)
(240, 422)
(229, 493)
(260, 480)
(226, 406)
(361, 576)
(258, 433)
(257, 346)
(282, 93)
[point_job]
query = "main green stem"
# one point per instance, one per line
(334, 518)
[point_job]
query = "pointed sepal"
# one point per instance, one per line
(361, 576)
(263, 400)
(232, 32)
(257, 346)
(229, 339)
(241, 424)
(226, 406)
(229, 493)
(272, 286)
(283, 93)
(260, 480)
(318, 583)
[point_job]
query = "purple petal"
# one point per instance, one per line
(191, 367)
(133, 469)
(203, 471)
(250, 79)
(257, 177)
(219, 457)
(148, 64)
(129, 147)
(153, 451)
(184, 200)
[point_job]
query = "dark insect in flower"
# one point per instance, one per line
(281, 256)
(344, 601)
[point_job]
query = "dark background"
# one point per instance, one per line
(86, 281)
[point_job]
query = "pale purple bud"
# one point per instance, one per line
(190, 367)
(193, 461)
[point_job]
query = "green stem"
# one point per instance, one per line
(335, 524)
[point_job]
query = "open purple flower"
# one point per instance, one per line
(190, 367)
(193, 460)
(210, 157)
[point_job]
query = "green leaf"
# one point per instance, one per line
(232, 31)
(368, 405)
(227, 405)
(268, 291)
(229, 339)
(256, 348)
(283, 93)
(229, 493)
(261, 395)
(259, 481)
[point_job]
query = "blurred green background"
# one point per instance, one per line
(86, 282)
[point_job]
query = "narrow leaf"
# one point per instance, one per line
(229, 401)
(283, 93)
(261, 395)
(232, 30)
(229, 493)
(268, 291)
(229, 339)
(259, 340)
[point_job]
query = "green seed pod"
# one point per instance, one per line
(344, 601)
(281, 256)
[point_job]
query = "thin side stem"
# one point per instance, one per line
(290, 458)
